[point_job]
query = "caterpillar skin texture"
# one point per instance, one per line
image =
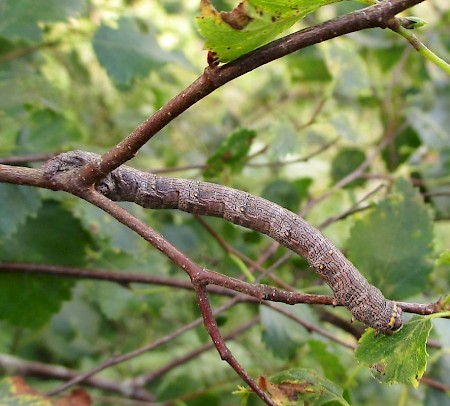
(366, 303)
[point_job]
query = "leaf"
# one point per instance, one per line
(429, 117)
(53, 237)
(16, 203)
(128, 52)
(347, 68)
(281, 335)
(330, 363)
(345, 162)
(250, 24)
(284, 193)
(302, 387)
(15, 392)
(392, 245)
(231, 153)
(400, 357)
(49, 130)
(440, 372)
(113, 300)
(19, 20)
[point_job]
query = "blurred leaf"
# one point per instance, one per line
(49, 131)
(344, 163)
(182, 236)
(348, 69)
(308, 65)
(113, 300)
(280, 334)
(404, 145)
(284, 193)
(302, 387)
(330, 363)
(19, 20)
(429, 117)
(15, 392)
(107, 229)
(53, 237)
(251, 24)
(400, 357)
(392, 244)
(231, 153)
(129, 51)
(16, 203)
(440, 372)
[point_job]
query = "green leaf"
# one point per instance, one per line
(429, 117)
(440, 372)
(53, 237)
(250, 24)
(392, 245)
(348, 68)
(303, 387)
(129, 51)
(19, 20)
(345, 162)
(231, 153)
(49, 130)
(330, 363)
(106, 229)
(281, 335)
(113, 300)
(400, 357)
(284, 193)
(16, 203)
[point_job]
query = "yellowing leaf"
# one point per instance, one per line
(250, 24)
(399, 358)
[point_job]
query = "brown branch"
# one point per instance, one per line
(225, 354)
(146, 379)
(378, 15)
(24, 159)
(117, 359)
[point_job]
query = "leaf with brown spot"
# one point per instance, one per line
(250, 24)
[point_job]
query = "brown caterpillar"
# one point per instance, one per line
(366, 302)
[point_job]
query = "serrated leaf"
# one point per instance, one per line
(400, 357)
(128, 52)
(230, 154)
(53, 237)
(392, 244)
(15, 392)
(16, 203)
(19, 20)
(250, 24)
(300, 387)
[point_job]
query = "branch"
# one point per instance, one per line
(14, 365)
(378, 15)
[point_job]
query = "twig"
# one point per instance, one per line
(141, 381)
(16, 365)
(216, 337)
(214, 77)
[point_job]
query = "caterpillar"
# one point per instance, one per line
(366, 302)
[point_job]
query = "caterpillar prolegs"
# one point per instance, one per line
(366, 302)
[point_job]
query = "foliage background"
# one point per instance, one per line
(82, 75)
